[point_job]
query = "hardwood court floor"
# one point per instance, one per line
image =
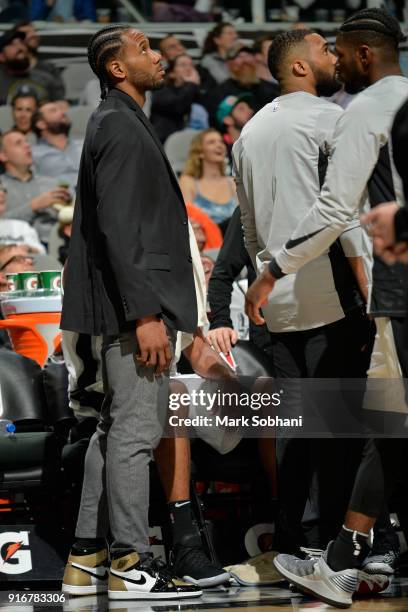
(244, 600)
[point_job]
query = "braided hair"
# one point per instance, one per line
(102, 47)
(376, 26)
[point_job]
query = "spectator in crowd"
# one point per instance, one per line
(208, 267)
(56, 154)
(207, 233)
(204, 182)
(24, 105)
(232, 114)
(171, 105)
(244, 79)
(29, 197)
(261, 48)
(32, 41)
(181, 10)
(199, 234)
(215, 48)
(61, 10)
(14, 259)
(15, 71)
(15, 231)
(170, 47)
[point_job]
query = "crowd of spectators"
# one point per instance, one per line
(199, 112)
(210, 100)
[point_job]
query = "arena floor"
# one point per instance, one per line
(276, 599)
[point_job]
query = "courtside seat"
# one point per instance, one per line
(22, 398)
(55, 384)
(177, 147)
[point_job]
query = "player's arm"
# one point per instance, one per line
(242, 175)
(356, 150)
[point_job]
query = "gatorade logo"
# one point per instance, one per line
(32, 283)
(56, 283)
(14, 558)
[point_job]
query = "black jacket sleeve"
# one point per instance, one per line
(230, 261)
(121, 171)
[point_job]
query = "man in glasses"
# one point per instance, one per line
(15, 258)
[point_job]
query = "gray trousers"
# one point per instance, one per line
(115, 491)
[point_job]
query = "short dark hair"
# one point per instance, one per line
(280, 48)
(374, 27)
(24, 94)
(103, 46)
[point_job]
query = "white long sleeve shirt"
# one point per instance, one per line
(361, 132)
(276, 167)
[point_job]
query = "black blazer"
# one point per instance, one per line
(129, 255)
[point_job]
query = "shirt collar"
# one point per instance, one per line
(18, 180)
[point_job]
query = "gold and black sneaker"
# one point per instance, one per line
(135, 577)
(86, 574)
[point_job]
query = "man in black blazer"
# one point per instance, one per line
(129, 278)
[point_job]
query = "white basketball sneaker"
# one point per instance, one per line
(132, 577)
(315, 577)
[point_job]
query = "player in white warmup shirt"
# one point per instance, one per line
(361, 166)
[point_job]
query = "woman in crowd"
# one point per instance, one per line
(218, 40)
(171, 105)
(204, 182)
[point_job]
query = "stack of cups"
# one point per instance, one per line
(32, 281)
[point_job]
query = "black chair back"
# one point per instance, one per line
(21, 395)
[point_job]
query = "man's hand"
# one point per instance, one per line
(380, 225)
(59, 195)
(222, 339)
(257, 296)
(154, 345)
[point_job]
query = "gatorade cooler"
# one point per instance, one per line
(33, 324)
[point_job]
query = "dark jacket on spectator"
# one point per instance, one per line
(171, 108)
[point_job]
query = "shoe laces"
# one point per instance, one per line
(312, 553)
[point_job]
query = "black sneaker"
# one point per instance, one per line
(133, 577)
(191, 563)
